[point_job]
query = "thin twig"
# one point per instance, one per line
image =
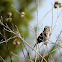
(6, 40)
(27, 51)
(19, 36)
(54, 46)
(30, 26)
(52, 17)
(56, 21)
(7, 46)
(45, 16)
(25, 19)
(37, 28)
(32, 48)
(20, 57)
(26, 48)
(2, 59)
(24, 55)
(44, 54)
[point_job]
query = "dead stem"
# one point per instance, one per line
(52, 17)
(24, 55)
(44, 54)
(56, 21)
(2, 59)
(25, 19)
(19, 36)
(45, 16)
(37, 2)
(7, 39)
(4, 36)
(21, 57)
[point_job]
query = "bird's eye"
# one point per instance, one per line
(46, 28)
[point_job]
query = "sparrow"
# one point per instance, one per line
(44, 35)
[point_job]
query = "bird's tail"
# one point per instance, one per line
(34, 46)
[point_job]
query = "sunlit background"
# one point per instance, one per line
(26, 28)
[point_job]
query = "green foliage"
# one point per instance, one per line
(5, 7)
(13, 60)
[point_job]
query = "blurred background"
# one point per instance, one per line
(23, 52)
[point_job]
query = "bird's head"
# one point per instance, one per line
(47, 28)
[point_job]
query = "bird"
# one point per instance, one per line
(44, 35)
